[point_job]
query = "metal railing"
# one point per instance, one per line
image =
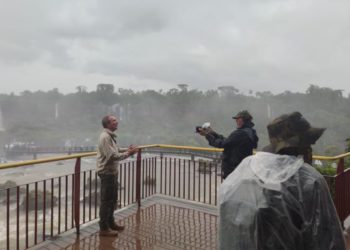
(33, 212)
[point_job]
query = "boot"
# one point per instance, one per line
(116, 227)
(108, 233)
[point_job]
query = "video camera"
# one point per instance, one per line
(205, 126)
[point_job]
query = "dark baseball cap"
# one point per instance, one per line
(244, 114)
(291, 131)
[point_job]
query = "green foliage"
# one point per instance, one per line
(150, 116)
(328, 171)
(347, 162)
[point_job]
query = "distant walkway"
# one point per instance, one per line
(48, 150)
(161, 223)
(17, 150)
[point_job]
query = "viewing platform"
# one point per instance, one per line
(167, 198)
(160, 223)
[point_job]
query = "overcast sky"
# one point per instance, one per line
(257, 45)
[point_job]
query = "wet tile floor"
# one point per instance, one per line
(161, 223)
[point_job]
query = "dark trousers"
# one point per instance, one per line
(109, 197)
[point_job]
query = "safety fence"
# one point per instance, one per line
(34, 212)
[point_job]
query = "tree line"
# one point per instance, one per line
(157, 116)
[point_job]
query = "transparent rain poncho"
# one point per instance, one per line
(277, 202)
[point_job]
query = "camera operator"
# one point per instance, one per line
(238, 145)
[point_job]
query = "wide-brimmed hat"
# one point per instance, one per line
(244, 114)
(291, 131)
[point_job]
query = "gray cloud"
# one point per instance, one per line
(261, 45)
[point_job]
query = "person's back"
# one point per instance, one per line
(308, 218)
(276, 200)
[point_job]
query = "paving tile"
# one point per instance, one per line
(156, 225)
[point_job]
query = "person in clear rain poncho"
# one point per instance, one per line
(275, 199)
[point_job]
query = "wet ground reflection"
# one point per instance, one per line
(158, 224)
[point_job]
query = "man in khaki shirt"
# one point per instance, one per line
(108, 157)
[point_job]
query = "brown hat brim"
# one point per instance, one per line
(276, 146)
(312, 135)
(306, 139)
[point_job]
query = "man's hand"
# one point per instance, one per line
(132, 149)
(203, 131)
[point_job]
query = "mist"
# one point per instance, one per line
(167, 117)
(170, 66)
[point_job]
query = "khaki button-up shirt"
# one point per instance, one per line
(108, 153)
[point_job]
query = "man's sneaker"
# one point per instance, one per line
(108, 233)
(117, 227)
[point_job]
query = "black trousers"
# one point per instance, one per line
(109, 197)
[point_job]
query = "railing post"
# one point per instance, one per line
(8, 218)
(340, 167)
(77, 194)
(340, 199)
(138, 178)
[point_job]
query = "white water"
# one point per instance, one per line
(1, 121)
(28, 175)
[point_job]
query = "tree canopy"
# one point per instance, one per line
(158, 116)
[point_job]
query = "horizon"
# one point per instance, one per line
(247, 92)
